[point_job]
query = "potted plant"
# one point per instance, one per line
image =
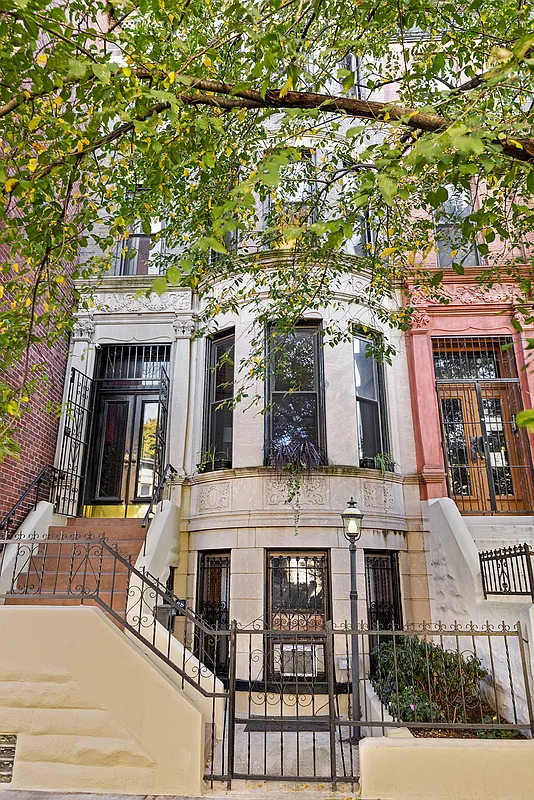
(293, 460)
(212, 459)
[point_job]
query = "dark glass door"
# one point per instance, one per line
(122, 462)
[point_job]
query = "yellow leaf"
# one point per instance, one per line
(207, 61)
(126, 71)
(1, 291)
(172, 76)
(33, 164)
(10, 184)
(229, 151)
(42, 59)
(387, 116)
(60, 279)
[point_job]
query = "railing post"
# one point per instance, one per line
(483, 576)
(330, 673)
(530, 572)
(231, 701)
(526, 677)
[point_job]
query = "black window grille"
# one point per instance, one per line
(132, 365)
(296, 394)
(373, 434)
(384, 607)
(448, 221)
(218, 437)
(297, 593)
(213, 606)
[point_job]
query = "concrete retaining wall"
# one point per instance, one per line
(446, 769)
(91, 711)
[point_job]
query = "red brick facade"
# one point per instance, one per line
(37, 431)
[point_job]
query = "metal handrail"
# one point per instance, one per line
(35, 484)
(168, 472)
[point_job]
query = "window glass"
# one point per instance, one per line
(298, 590)
(220, 415)
(296, 393)
(371, 403)
(448, 235)
(136, 255)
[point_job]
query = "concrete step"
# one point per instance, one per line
(84, 750)
(88, 523)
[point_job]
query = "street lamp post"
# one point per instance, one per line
(352, 528)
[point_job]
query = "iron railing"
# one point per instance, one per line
(508, 571)
(284, 712)
(168, 473)
(56, 486)
(41, 488)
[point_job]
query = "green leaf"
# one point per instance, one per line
(388, 188)
(160, 285)
(77, 69)
(526, 419)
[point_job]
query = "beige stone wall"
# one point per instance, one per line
(91, 711)
(441, 769)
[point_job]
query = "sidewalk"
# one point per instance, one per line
(242, 790)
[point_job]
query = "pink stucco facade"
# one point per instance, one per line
(472, 311)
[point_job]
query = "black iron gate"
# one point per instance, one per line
(161, 428)
(74, 444)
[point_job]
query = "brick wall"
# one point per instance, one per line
(37, 431)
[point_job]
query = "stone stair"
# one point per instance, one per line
(490, 533)
(71, 564)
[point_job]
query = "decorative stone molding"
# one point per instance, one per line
(84, 329)
(313, 490)
(379, 495)
(183, 327)
(419, 320)
(463, 294)
(213, 497)
(123, 303)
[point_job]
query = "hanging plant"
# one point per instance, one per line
(292, 461)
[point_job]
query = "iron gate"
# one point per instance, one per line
(486, 454)
(76, 435)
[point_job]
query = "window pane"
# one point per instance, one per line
(222, 432)
(294, 419)
(223, 376)
(220, 417)
(113, 449)
(294, 361)
(147, 450)
(298, 591)
(365, 370)
(369, 429)
(448, 237)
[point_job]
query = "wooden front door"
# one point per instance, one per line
(487, 456)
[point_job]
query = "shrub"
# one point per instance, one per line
(419, 681)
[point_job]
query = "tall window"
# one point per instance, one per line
(352, 78)
(448, 221)
(371, 403)
(296, 392)
(293, 201)
(137, 254)
(219, 390)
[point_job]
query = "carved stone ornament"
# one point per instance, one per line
(419, 319)
(84, 329)
(122, 303)
(462, 294)
(213, 497)
(183, 327)
(379, 496)
(313, 490)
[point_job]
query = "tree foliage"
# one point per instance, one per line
(208, 105)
